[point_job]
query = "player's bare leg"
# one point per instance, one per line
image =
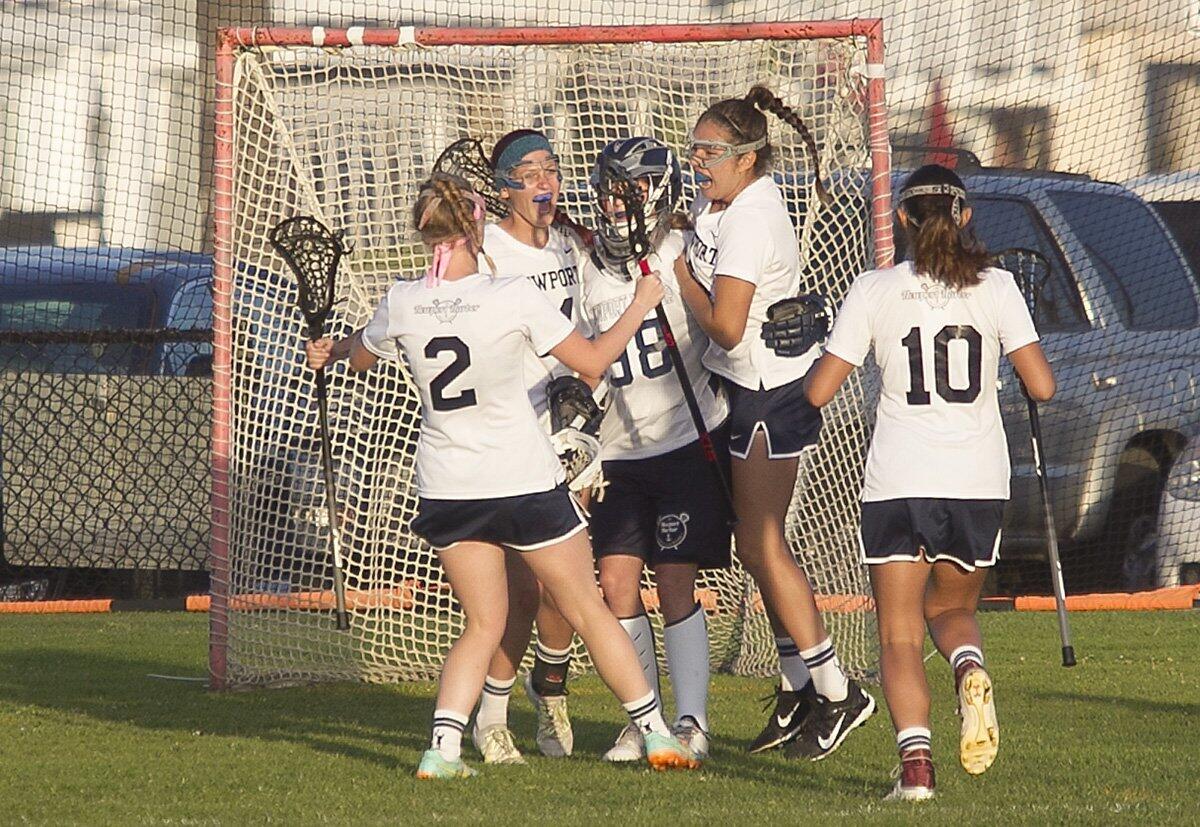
(950, 604)
(899, 590)
(621, 582)
(762, 493)
(566, 570)
(476, 575)
(685, 639)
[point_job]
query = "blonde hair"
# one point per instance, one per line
(445, 211)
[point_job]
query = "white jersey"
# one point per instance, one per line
(554, 269)
(647, 415)
(753, 240)
(464, 341)
(938, 431)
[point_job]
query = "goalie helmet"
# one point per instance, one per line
(630, 160)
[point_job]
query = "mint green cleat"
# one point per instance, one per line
(665, 752)
(433, 765)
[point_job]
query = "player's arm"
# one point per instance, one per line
(822, 381)
(592, 357)
(324, 352)
(1035, 372)
(723, 317)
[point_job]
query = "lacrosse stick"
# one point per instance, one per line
(312, 251)
(1031, 270)
(615, 183)
(466, 159)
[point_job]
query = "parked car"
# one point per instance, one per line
(1175, 196)
(1175, 554)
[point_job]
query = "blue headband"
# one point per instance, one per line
(512, 155)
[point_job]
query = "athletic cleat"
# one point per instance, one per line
(434, 766)
(629, 746)
(980, 738)
(496, 745)
(830, 723)
(665, 752)
(914, 777)
(554, 738)
(690, 734)
(791, 710)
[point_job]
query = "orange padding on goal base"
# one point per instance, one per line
(56, 607)
(1174, 597)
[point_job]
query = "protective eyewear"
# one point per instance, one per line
(529, 173)
(708, 154)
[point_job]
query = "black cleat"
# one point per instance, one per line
(830, 723)
(791, 711)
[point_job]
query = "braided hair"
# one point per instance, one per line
(444, 211)
(743, 119)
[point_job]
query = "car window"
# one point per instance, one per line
(191, 309)
(81, 307)
(1004, 222)
(1144, 275)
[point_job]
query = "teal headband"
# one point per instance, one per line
(512, 155)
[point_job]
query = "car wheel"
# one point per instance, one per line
(1140, 547)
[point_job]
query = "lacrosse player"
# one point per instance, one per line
(526, 243)
(937, 472)
(487, 478)
(741, 258)
(660, 505)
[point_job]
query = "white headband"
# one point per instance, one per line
(959, 194)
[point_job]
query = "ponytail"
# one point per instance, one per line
(766, 100)
(445, 211)
(932, 199)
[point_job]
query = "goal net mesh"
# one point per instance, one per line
(346, 135)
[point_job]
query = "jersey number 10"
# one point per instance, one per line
(917, 395)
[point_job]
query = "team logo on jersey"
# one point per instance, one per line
(672, 530)
(445, 310)
(935, 295)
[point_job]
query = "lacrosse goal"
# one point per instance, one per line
(343, 125)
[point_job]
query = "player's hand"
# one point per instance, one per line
(318, 352)
(649, 291)
(794, 325)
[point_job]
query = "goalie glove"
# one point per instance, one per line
(794, 325)
(572, 406)
(579, 454)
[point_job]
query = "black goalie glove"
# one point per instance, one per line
(572, 406)
(794, 325)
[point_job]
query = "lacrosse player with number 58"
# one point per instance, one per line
(660, 504)
(937, 472)
(488, 479)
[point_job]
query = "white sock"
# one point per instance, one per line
(642, 634)
(963, 654)
(448, 727)
(793, 674)
(828, 678)
(913, 737)
(646, 715)
(493, 703)
(686, 642)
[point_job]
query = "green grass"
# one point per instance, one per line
(87, 737)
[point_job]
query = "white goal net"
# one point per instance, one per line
(343, 126)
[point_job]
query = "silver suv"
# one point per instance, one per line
(1120, 324)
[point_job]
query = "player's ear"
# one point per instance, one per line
(746, 161)
(966, 217)
(902, 217)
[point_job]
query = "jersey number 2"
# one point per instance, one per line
(917, 395)
(462, 361)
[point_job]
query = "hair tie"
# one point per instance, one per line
(441, 261)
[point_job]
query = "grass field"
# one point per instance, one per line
(87, 737)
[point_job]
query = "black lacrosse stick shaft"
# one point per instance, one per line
(617, 185)
(1025, 265)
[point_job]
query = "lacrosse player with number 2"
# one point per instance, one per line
(487, 477)
(937, 473)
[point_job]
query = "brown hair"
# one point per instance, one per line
(743, 119)
(940, 247)
(444, 211)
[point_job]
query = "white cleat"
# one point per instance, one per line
(496, 745)
(980, 737)
(555, 737)
(629, 746)
(689, 733)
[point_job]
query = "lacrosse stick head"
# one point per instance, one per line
(643, 175)
(465, 158)
(1031, 270)
(312, 251)
(579, 455)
